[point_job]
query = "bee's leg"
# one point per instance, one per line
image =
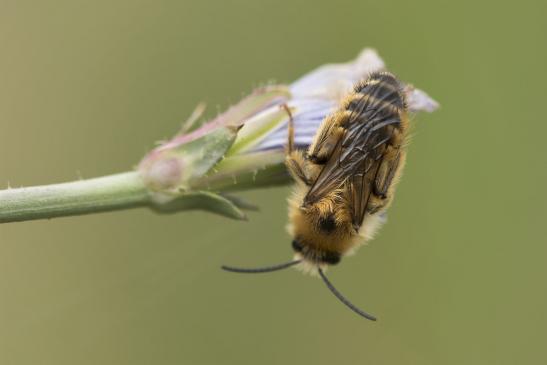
(385, 176)
(294, 160)
(325, 141)
(290, 138)
(296, 164)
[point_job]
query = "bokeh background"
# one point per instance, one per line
(457, 276)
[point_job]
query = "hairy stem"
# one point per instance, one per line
(124, 191)
(114, 192)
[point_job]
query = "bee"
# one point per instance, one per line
(346, 179)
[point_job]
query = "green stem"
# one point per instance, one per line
(125, 191)
(108, 193)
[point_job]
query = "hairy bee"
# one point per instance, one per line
(346, 179)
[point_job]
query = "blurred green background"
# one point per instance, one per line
(457, 276)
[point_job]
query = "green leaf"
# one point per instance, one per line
(241, 203)
(202, 200)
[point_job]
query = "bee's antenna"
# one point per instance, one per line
(338, 295)
(260, 270)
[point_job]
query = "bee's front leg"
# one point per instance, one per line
(294, 160)
(298, 166)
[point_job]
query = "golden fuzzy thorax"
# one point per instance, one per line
(326, 226)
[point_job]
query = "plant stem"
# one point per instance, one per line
(108, 193)
(124, 191)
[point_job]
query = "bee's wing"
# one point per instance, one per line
(356, 160)
(330, 178)
(360, 188)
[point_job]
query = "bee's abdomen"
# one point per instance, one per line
(381, 92)
(375, 117)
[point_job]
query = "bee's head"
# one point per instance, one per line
(310, 253)
(318, 239)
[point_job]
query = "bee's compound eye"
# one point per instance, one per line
(331, 258)
(296, 246)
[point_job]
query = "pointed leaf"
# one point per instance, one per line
(241, 202)
(202, 200)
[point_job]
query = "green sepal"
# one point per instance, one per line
(241, 202)
(202, 200)
(200, 155)
(258, 128)
(171, 167)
